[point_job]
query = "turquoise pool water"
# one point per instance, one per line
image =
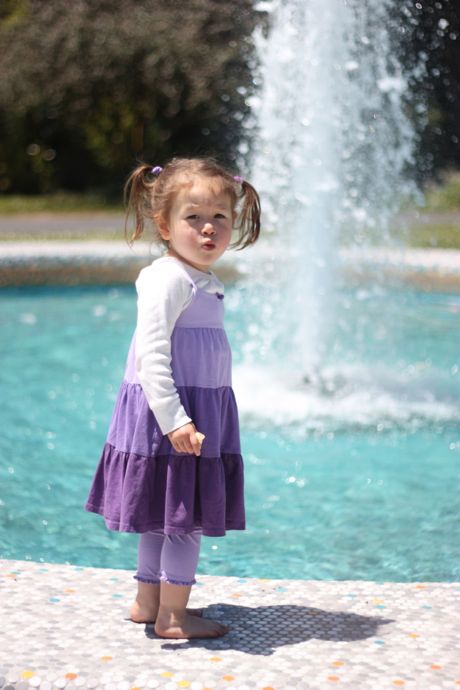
(357, 481)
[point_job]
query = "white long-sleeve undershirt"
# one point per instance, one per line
(164, 289)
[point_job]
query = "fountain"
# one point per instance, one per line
(333, 158)
(332, 146)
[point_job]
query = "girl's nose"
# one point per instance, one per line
(208, 229)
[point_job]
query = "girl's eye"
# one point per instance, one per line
(192, 216)
(219, 215)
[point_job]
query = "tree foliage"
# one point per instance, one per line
(87, 87)
(433, 49)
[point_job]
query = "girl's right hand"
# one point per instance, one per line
(184, 439)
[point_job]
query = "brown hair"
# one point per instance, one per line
(149, 195)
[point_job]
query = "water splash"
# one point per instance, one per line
(349, 396)
(331, 152)
(393, 366)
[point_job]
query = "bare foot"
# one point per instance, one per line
(186, 626)
(148, 614)
(142, 614)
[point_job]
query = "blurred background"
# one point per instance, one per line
(88, 88)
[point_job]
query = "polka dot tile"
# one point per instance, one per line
(283, 634)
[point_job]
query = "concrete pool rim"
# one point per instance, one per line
(103, 262)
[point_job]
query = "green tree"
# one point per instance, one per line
(87, 87)
(431, 47)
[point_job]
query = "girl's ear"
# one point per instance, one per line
(162, 227)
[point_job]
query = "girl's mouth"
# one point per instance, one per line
(208, 245)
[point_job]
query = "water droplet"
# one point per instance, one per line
(99, 310)
(29, 319)
(351, 66)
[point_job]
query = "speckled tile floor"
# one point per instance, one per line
(66, 627)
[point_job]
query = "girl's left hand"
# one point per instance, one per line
(184, 439)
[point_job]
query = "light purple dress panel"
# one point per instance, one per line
(194, 361)
(141, 482)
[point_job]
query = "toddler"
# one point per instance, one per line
(171, 468)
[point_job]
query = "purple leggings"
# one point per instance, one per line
(171, 558)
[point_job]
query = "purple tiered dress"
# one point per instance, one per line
(141, 482)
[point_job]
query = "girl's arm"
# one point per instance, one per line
(163, 293)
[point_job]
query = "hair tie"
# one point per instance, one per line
(156, 170)
(238, 179)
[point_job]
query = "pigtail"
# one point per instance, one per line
(149, 193)
(249, 216)
(137, 199)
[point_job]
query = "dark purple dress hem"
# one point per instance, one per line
(206, 532)
(179, 493)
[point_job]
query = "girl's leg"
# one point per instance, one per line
(149, 571)
(179, 559)
(145, 607)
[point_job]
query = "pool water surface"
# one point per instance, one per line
(362, 483)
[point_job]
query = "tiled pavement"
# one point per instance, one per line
(66, 626)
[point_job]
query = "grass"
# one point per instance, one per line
(439, 197)
(59, 202)
(441, 235)
(445, 195)
(437, 224)
(85, 236)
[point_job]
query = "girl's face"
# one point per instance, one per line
(199, 227)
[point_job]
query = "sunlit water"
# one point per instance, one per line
(331, 149)
(356, 481)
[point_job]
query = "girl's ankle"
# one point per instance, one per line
(177, 612)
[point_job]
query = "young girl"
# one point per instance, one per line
(171, 468)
